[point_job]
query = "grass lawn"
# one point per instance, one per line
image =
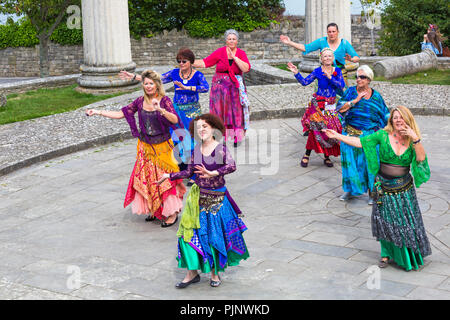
(44, 102)
(441, 77)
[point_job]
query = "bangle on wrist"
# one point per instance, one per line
(416, 142)
(134, 78)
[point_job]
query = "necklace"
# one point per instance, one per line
(185, 80)
(396, 141)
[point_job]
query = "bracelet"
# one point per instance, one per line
(351, 104)
(416, 142)
(134, 78)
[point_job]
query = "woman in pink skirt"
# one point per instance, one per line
(230, 61)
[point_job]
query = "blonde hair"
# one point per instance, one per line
(156, 78)
(407, 117)
(322, 51)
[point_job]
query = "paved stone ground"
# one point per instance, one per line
(65, 215)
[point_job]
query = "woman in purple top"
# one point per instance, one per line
(210, 232)
(154, 152)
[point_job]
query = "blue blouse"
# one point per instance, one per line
(327, 87)
(429, 45)
(339, 53)
(370, 114)
(186, 96)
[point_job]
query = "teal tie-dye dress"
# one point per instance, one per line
(364, 118)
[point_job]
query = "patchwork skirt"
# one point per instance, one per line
(218, 242)
(397, 222)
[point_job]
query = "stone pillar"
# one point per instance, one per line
(107, 47)
(400, 66)
(319, 13)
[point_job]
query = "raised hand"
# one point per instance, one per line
(407, 131)
(285, 39)
(180, 85)
(331, 133)
(90, 112)
(125, 75)
(203, 172)
(292, 67)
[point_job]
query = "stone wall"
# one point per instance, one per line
(162, 48)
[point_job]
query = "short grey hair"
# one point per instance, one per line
(367, 70)
(231, 31)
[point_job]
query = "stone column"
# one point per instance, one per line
(107, 47)
(319, 13)
(401, 66)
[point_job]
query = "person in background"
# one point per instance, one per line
(321, 113)
(226, 89)
(342, 48)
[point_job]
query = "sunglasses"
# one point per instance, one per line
(182, 61)
(361, 77)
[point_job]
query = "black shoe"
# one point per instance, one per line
(150, 218)
(182, 285)
(215, 283)
(165, 225)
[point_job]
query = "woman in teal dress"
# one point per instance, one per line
(396, 218)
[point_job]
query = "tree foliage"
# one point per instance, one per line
(201, 18)
(406, 21)
(45, 16)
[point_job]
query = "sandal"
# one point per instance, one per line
(215, 283)
(328, 162)
(303, 163)
(150, 218)
(166, 225)
(383, 263)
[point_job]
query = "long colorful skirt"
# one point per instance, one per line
(218, 241)
(317, 118)
(397, 222)
(184, 143)
(225, 102)
(143, 193)
(356, 178)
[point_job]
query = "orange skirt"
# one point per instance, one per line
(146, 196)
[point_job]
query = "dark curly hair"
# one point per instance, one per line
(214, 121)
(186, 53)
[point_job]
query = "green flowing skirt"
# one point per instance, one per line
(397, 222)
(190, 259)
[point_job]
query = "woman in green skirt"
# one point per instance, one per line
(396, 218)
(210, 232)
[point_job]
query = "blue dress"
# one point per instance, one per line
(364, 118)
(187, 106)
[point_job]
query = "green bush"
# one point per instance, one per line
(215, 27)
(18, 34)
(406, 21)
(23, 34)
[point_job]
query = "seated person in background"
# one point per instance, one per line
(431, 42)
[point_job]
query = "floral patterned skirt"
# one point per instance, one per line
(316, 118)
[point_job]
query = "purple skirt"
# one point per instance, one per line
(224, 102)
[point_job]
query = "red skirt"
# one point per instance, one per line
(317, 118)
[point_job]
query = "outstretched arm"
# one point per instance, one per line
(286, 40)
(105, 113)
(351, 141)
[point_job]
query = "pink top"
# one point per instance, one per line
(220, 59)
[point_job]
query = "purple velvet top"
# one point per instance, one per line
(153, 127)
(220, 160)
